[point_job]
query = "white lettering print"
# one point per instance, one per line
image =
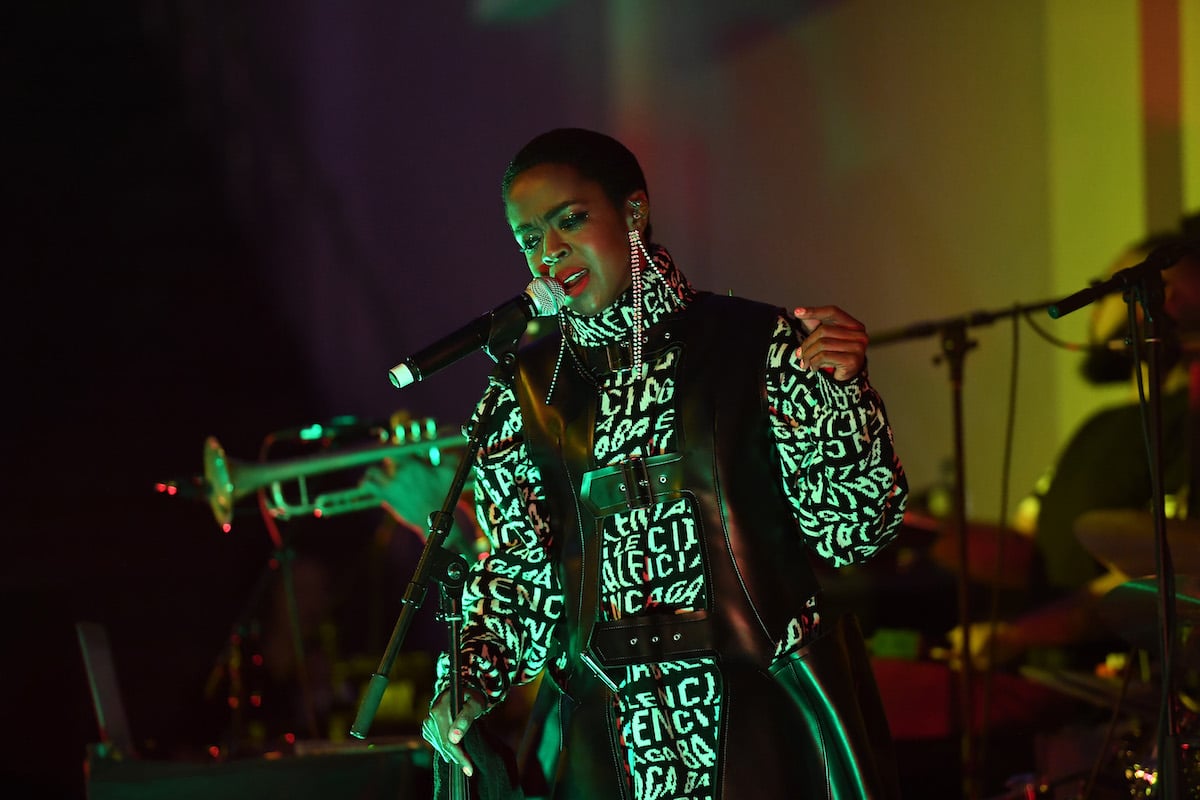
(658, 784)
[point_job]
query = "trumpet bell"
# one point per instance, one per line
(229, 480)
(220, 482)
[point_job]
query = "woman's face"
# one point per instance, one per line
(568, 229)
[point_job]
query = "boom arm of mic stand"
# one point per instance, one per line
(1159, 259)
(921, 330)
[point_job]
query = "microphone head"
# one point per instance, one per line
(547, 295)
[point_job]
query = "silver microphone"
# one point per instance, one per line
(502, 325)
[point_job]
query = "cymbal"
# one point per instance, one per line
(988, 546)
(1124, 540)
(1140, 698)
(1131, 609)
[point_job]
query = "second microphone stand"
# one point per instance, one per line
(955, 344)
(1143, 283)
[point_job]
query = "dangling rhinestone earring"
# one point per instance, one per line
(635, 239)
(562, 345)
(636, 252)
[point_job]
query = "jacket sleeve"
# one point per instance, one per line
(836, 457)
(512, 599)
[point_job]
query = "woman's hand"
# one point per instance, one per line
(836, 342)
(446, 733)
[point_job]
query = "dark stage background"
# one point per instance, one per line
(180, 266)
(231, 218)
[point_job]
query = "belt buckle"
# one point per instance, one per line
(617, 357)
(636, 487)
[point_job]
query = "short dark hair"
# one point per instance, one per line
(596, 156)
(1190, 225)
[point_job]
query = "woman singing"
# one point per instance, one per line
(655, 477)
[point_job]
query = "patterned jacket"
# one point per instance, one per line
(653, 535)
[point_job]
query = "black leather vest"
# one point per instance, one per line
(780, 736)
(757, 564)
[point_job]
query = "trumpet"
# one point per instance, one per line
(228, 480)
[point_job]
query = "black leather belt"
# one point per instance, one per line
(634, 483)
(647, 640)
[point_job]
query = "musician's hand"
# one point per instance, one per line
(836, 341)
(446, 733)
(989, 646)
(410, 488)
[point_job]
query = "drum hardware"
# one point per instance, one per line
(1139, 766)
(1124, 540)
(1126, 766)
(1127, 763)
(997, 556)
(1028, 786)
(1130, 609)
(1136, 699)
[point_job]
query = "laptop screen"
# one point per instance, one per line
(106, 694)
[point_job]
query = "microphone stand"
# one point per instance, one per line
(955, 346)
(1143, 283)
(449, 569)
